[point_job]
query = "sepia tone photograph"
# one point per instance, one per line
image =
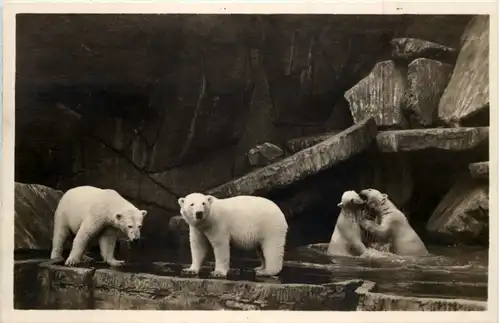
(242, 162)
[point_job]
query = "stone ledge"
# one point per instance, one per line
(370, 300)
(480, 170)
(312, 160)
(448, 139)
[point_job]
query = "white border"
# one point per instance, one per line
(7, 314)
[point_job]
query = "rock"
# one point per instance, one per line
(370, 300)
(467, 93)
(34, 209)
(427, 80)
(106, 168)
(409, 49)
(449, 139)
(26, 286)
(179, 229)
(379, 95)
(302, 164)
(480, 170)
(212, 170)
(297, 144)
(462, 216)
(264, 154)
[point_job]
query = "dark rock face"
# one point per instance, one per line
(427, 80)
(467, 93)
(409, 49)
(34, 206)
(380, 95)
(173, 115)
(462, 217)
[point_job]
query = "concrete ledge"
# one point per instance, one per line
(480, 170)
(312, 160)
(370, 300)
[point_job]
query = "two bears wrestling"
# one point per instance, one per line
(247, 222)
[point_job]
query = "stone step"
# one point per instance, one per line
(447, 139)
(480, 170)
(306, 162)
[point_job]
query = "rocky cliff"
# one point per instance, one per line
(157, 106)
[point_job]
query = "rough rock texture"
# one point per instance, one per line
(264, 154)
(26, 293)
(372, 301)
(379, 95)
(409, 49)
(467, 93)
(480, 170)
(297, 144)
(456, 139)
(34, 208)
(462, 216)
(111, 289)
(156, 117)
(304, 163)
(427, 80)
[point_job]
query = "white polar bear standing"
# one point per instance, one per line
(346, 239)
(394, 227)
(247, 222)
(90, 212)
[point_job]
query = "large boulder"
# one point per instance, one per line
(467, 95)
(380, 95)
(462, 216)
(427, 80)
(34, 208)
(409, 49)
(264, 154)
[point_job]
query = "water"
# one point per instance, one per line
(448, 272)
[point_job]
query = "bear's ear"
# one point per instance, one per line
(340, 204)
(144, 213)
(118, 216)
(210, 199)
(181, 201)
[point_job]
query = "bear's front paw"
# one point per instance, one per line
(219, 273)
(367, 224)
(72, 261)
(190, 271)
(116, 263)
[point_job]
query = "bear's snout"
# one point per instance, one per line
(198, 215)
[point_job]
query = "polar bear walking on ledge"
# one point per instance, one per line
(394, 227)
(247, 222)
(90, 212)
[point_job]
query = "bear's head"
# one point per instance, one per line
(130, 222)
(374, 198)
(195, 207)
(350, 199)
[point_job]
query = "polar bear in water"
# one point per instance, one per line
(394, 227)
(346, 238)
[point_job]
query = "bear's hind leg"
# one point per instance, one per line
(107, 244)
(61, 233)
(261, 258)
(274, 251)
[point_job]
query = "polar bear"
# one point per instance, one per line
(247, 222)
(346, 238)
(90, 212)
(393, 227)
